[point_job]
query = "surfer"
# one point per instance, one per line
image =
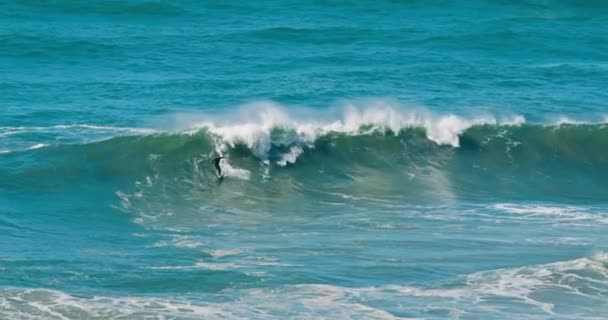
(218, 168)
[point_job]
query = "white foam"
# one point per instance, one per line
(291, 156)
(566, 120)
(246, 263)
(301, 302)
(256, 125)
(90, 127)
(37, 146)
(535, 286)
(536, 209)
(521, 283)
(32, 147)
(516, 120)
(215, 266)
(501, 293)
(51, 304)
(226, 252)
(9, 132)
(553, 213)
(180, 241)
(480, 293)
(229, 171)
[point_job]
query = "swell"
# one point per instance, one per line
(326, 35)
(576, 143)
(119, 8)
(33, 46)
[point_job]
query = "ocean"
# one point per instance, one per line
(383, 159)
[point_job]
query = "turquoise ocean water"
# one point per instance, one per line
(385, 159)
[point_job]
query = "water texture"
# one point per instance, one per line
(384, 159)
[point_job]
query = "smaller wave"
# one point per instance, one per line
(537, 290)
(21, 45)
(27, 129)
(24, 138)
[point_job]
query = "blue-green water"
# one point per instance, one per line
(385, 159)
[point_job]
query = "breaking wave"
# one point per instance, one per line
(416, 150)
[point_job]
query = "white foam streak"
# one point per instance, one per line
(553, 213)
(52, 304)
(180, 241)
(37, 146)
(218, 253)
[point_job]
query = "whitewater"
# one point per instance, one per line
(383, 160)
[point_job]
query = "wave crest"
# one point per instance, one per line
(262, 126)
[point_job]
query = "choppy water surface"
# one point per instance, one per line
(385, 160)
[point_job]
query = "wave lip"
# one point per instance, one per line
(264, 125)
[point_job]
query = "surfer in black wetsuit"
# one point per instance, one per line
(216, 163)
